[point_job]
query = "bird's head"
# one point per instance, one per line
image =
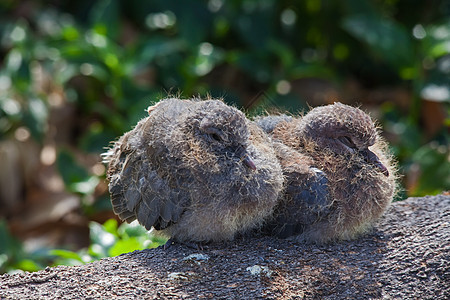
(224, 130)
(342, 129)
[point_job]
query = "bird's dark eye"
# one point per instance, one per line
(216, 137)
(347, 141)
(215, 134)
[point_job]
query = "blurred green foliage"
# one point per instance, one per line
(110, 59)
(107, 240)
(12, 254)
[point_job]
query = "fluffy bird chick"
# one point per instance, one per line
(195, 171)
(345, 178)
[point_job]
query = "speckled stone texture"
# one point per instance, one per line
(406, 256)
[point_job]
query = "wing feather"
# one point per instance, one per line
(305, 199)
(139, 172)
(139, 192)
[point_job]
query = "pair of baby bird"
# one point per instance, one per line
(199, 171)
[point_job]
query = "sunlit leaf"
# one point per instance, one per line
(438, 39)
(100, 236)
(124, 246)
(70, 33)
(132, 230)
(85, 187)
(66, 254)
(101, 240)
(440, 49)
(27, 265)
(110, 226)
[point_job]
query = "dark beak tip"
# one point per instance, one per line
(372, 158)
(249, 162)
(384, 170)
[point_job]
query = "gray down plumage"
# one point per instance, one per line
(194, 171)
(340, 176)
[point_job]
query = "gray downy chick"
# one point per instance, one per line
(195, 171)
(348, 180)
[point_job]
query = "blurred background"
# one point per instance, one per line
(75, 75)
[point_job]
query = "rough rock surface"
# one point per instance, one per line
(407, 256)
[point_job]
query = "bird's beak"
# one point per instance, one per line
(247, 160)
(372, 158)
(245, 157)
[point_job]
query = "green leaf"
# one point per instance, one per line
(100, 236)
(155, 47)
(434, 168)
(69, 169)
(68, 258)
(70, 33)
(193, 21)
(283, 52)
(254, 23)
(111, 226)
(101, 240)
(27, 265)
(303, 70)
(105, 17)
(386, 38)
(440, 49)
(124, 246)
(66, 254)
(85, 187)
(8, 244)
(10, 107)
(205, 60)
(35, 117)
(13, 61)
(132, 230)
(19, 33)
(437, 40)
(3, 261)
(102, 203)
(97, 138)
(255, 64)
